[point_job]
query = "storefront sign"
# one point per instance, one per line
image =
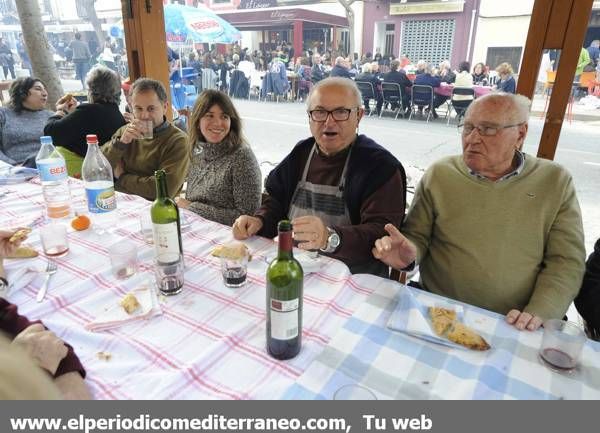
(283, 15)
(426, 8)
(257, 4)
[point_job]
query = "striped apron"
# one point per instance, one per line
(323, 201)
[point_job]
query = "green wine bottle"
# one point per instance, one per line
(165, 223)
(284, 299)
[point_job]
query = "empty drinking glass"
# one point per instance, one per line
(123, 259)
(354, 392)
(54, 240)
(146, 226)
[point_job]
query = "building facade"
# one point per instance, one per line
(432, 30)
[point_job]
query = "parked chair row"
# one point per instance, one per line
(421, 96)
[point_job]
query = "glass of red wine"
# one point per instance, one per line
(562, 344)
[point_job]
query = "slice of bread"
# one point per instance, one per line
(20, 235)
(130, 303)
(233, 251)
(445, 325)
(442, 319)
(23, 253)
(465, 336)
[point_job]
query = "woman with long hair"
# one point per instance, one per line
(224, 180)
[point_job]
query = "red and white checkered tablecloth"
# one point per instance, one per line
(209, 343)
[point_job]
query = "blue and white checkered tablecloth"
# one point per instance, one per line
(396, 365)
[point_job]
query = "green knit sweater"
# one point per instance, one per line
(516, 243)
(169, 150)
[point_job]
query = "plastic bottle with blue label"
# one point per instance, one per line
(55, 180)
(97, 177)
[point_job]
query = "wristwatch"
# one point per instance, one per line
(333, 241)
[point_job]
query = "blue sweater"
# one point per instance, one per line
(509, 85)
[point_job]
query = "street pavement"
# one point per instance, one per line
(273, 128)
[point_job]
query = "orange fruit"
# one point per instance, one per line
(80, 222)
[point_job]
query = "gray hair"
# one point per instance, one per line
(148, 84)
(339, 61)
(516, 106)
(337, 82)
(366, 68)
(103, 85)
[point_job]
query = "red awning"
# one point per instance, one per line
(253, 19)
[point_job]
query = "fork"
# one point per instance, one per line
(50, 270)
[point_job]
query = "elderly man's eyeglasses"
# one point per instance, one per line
(486, 131)
(339, 114)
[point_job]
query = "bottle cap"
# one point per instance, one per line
(91, 138)
(46, 139)
(284, 226)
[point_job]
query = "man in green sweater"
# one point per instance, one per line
(135, 158)
(494, 227)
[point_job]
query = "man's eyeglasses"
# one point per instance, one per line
(339, 114)
(486, 131)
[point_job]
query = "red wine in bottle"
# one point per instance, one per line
(284, 299)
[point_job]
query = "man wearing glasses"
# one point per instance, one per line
(339, 188)
(494, 227)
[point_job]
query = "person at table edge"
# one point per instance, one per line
(495, 227)
(334, 186)
(587, 301)
(134, 159)
(48, 351)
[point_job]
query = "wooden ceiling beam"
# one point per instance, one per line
(555, 24)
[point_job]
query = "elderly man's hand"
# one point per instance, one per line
(7, 248)
(523, 320)
(72, 386)
(310, 232)
(246, 226)
(43, 346)
(394, 250)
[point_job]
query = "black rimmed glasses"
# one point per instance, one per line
(483, 130)
(339, 114)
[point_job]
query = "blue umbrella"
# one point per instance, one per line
(183, 23)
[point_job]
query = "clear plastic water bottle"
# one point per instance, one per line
(55, 180)
(97, 177)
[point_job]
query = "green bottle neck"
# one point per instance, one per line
(285, 245)
(161, 187)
